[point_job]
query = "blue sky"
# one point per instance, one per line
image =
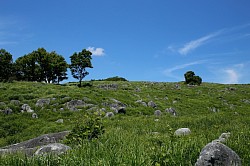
(140, 40)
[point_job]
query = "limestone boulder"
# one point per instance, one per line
(54, 148)
(218, 154)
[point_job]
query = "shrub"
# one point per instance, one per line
(115, 79)
(192, 79)
(87, 129)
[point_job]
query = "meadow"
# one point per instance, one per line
(136, 138)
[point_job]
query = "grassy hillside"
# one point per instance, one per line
(138, 137)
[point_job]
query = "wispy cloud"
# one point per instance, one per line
(96, 51)
(192, 45)
(221, 34)
(170, 71)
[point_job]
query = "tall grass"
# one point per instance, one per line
(139, 137)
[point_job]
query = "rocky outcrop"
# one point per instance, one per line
(42, 102)
(26, 108)
(54, 148)
(28, 147)
(73, 104)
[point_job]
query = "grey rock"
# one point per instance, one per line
(54, 148)
(171, 111)
(141, 102)
(27, 108)
(182, 132)
(39, 141)
(218, 154)
(59, 121)
(152, 104)
(71, 105)
(157, 113)
(7, 111)
(213, 109)
(2, 103)
(223, 138)
(121, 110)
(109, 114)
(34, 115)
(114, 103)
(109, 86)
(42, 102)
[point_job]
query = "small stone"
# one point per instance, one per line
(157, 113)
(182, 132)
(109, 114)
(152, 104)
(59, 121)
(34, 115)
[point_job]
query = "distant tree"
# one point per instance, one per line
(79, 62)
(6, 65)
(192, 79)
(116, 78)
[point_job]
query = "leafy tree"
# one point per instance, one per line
(41, 65)
(6, 64)
(79, 62)
(59, 68)
(192, 79)
(26, 68)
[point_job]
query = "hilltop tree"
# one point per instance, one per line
(79, 62)
(41, 65)
(59, 68)
(6, 65)
(192, 79)
(26, 68)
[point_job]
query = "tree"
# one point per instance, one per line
(59, 67)
(41, 65)
(79, 62)
(192, 79)
(27, 68)
(6, 65)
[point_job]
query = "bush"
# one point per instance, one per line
(115, 79)
(88, 129)
(192, 79)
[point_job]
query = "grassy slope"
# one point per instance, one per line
(128, 139)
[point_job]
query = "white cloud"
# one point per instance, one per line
(192, 45)
(96, 51)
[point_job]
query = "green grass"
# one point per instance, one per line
(130, 139)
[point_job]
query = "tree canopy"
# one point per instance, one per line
(192, 79)
(41, 65)
(6, 63)
(79, 62)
